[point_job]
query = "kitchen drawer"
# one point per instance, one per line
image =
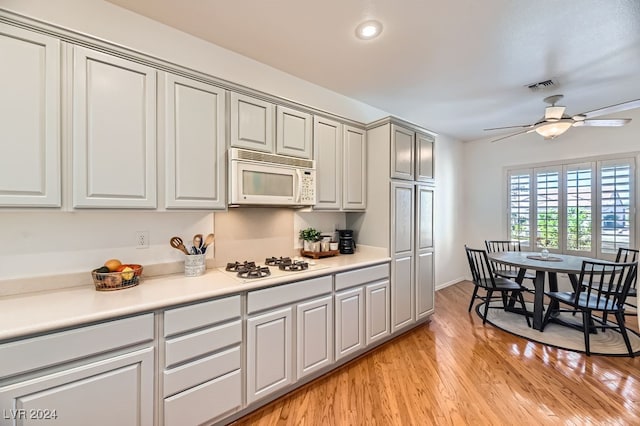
(205, 341)
(33, 353)
(204, 402)
(190, 317)
(288, 293)
(188, 375)
(362, 276)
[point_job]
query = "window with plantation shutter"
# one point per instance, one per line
(580, 186)
(584, 208)
(547, 208)
(520, 206)
(616, 181)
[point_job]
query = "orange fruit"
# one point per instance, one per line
(112, 264)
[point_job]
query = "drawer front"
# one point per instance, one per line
(37, 352)
(191, 374)
(190, 317)
(205, 402)
(286, 294)
(362, 276)
(192, 345)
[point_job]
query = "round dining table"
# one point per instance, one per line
(549, 266)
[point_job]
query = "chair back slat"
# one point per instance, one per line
(606, 283)
(481, 270)
(626, 255)
(494, 246)
(502, 245)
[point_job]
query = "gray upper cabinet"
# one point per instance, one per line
(29, 119)
(327, 140)
(194, 137)
(402, 153)
(293, 132)
(252, 123)
(256, 124)
(354, 169)
(114, 132)
(411, 155)
(424, 157)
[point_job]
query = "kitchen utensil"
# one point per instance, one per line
(197, 244)
(176, 243)
(207, 242)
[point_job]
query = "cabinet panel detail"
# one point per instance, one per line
(350, 335)
(327, 149)
(114, 132)
(424, 219)
(354, 169)
(189, 346)
(314, 335)
(425, 285)
(293, 132)
(377, 312)
(204, 402)
(269, 353)
(252, 123)
(402, 153)
(424, 157)
(78, 394)
(29, 119)
(194, 124)
(33, 353)
(402, 296)
(402, 218)
(201, 314)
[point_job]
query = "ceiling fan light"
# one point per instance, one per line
(553, 129)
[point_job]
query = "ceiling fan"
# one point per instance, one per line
(555, 122)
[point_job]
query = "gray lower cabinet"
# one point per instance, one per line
(80, 376)
(202, 379)
(362, 308)
(275, 359)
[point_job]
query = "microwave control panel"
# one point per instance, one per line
(307, 188)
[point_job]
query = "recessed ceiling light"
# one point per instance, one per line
(368, 30)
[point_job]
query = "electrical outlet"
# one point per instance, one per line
(142, 239)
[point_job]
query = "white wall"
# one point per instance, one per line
(449, 215)
(117, 25)
(78, 241)
(485, 162)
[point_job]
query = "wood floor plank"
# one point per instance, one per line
(455, 371)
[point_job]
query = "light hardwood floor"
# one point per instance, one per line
(456, 371)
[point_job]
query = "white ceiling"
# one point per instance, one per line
(453, 66)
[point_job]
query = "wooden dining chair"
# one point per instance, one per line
(506, 271)
(484, 277)
(604, 288)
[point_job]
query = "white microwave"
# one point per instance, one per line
(261, 179)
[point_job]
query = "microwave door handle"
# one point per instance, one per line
(298, 187)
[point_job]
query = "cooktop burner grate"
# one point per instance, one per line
(297, 265)
(254, 272)
(237, 266)
(275, 261)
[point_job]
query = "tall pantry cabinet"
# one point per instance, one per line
(401, 218)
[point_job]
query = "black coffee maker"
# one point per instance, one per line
(346, 243)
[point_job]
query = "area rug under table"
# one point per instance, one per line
(609, 342)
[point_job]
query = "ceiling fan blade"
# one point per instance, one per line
(610, 109)
(613, 122)
(524, 126)
(513, 134)
(553, 112)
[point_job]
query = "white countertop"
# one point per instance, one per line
(32, 313)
